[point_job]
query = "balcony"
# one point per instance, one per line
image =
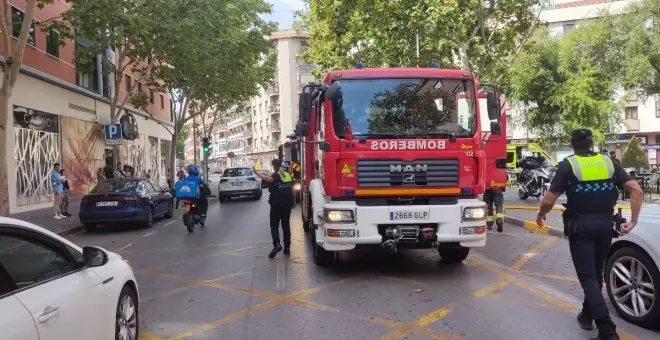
(274, 109)
(274, 90)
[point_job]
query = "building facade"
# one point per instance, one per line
(253, 135)
(641, 115)
(58, 117)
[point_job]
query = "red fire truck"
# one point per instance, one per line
(394, 157)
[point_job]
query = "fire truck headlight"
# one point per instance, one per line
(474, 213)
(339, 216)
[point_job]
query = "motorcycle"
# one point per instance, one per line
(535, 178)
(191, 215)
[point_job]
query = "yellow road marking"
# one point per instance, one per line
(191, 259)
(398, 279)
(491, 288)
(549, 276)
(535, 251)
(531, 225)
(145, 335)
(556, 207)
(434, 316)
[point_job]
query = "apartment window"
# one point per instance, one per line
(657, 105)
(567, 27)
(53, 43)
(86, 79)
(17, 17)
(129, 82)
(162, 102)
(151, 96)
(140, 87)
(631, 112)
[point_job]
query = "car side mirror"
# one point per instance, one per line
(94, 256)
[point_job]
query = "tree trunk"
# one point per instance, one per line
(172, 160)
(463, 56)
(4, 138)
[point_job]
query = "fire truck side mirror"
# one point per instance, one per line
(493, 104)
(495, 128)
(324, 146)
(334, 91)
(305, 106)
(302, 129)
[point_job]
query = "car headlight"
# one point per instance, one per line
(478, 213)
(339, 216)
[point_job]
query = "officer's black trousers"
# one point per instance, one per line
(280, 214)
(589, 247)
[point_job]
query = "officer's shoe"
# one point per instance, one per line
(276, 249)
(585, 321)
(606, 329)
(500, 225)
(489, 224)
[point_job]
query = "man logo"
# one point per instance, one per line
(408, 168)
(409, 178)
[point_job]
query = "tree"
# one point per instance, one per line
(634, 156)
(181, 144)
(121, 32)
(483, 36)
(13, 55)
(564, 87)
(213, 55)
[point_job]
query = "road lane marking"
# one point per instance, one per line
(280, 279)
(402, 280)
(124, 247)
(555, 208)
(549, 276)
(533, 226)
(428, 319)
(146, 335)
(190, 259)
(491, 288)
(169, 223)
(532, 253)
(148, 234)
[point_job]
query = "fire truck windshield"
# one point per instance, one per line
(405, 108)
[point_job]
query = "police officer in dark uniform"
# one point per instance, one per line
(281, 202)
(590, 181)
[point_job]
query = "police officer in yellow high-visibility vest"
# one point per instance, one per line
(590, 181)
(281, 201)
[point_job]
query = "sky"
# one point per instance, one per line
(283, 11)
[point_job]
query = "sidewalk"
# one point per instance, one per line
(44, 218)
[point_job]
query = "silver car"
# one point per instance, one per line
(239, 181)
(631, 273)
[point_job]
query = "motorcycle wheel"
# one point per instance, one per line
(523, 195)
(189, 222)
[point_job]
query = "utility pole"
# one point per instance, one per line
(206, 143)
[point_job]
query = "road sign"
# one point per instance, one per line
(113, 134)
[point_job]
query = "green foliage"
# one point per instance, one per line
(634, 156)
(181, 138)
(480, 35)
(565, 87)
(139, 100)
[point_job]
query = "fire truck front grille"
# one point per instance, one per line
(422, 172)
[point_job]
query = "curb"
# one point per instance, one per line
(531, 226)
(555, 208)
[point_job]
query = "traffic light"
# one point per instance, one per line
(205, 144)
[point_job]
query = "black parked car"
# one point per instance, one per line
(125, 200)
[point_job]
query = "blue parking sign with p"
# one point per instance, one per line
(113, 133)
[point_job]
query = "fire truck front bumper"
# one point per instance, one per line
(346, 225)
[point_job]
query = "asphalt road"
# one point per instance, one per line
(217, 283)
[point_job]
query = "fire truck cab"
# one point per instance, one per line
(394, 158)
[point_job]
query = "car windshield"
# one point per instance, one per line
(396, 108)
(115, 186)
(236, 172)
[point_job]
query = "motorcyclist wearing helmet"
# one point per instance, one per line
(194, 176)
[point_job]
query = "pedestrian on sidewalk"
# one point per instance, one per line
(117, 174)
(100, 175)
(590, 180)
(66, 194)
(281, 202)
(58, 187)
(613, 155)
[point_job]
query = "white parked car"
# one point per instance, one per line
(51, 289)
(632, 271)
(237, 182)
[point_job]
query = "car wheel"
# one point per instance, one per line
(170, 211)
(127, 319)
(454, 255)
(633, 286)
(90, 227)
(149, 221)
(221, 198)
(321, 256)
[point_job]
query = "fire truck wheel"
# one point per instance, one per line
(454, 255)
(321, 256)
